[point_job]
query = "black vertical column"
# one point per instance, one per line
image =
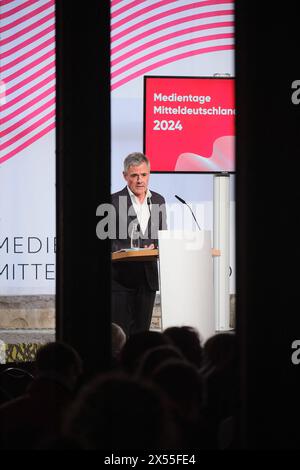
(267, 200)
(83, 178)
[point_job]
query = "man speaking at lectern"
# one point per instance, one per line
(134, 283)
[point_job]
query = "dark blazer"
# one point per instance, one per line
(131, 275)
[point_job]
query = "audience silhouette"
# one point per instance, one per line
(117, 412)
(135, 347)
(221, 385)
(37, 415)
(165, 391)
(118, 340)
(154, 357)
(187, 340)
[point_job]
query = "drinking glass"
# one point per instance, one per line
(135, 236)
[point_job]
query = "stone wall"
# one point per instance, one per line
(27, 311)
(38, 312)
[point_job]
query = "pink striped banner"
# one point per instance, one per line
(190, 31)
(170, 48)
(128, 5)
(33, 114)
(18, 8)
(27, 143)
(26, 17)
(164, 14)
(27, 54)
(32, 52)
(169, 24)
(27, 105)
(28, 130)
(28, 92)
(169, 30)
(145, 35)
(27, 42)
(168, 60)
(27, 30)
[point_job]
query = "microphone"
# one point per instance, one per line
(149, 205)
(183, 202)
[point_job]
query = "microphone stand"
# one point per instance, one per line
(183, 202)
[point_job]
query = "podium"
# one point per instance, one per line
(186, 280)
(134, 255)
(185, 276)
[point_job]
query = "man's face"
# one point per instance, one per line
(137, 178)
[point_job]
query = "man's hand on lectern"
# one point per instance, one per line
(150, 247)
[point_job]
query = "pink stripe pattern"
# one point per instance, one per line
(145, 36)
(148, 35)
(26, 17)
(27, 60)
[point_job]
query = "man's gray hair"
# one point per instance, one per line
(135, 159)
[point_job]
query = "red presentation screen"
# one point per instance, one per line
(189, 124)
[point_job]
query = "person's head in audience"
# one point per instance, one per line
(182, 383)
(220, 351)
(187, 340)
(154, 357)
(118, 412)
(118, 339)
(59, 361)
(136, 345)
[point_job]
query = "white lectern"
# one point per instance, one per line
(186, 280)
